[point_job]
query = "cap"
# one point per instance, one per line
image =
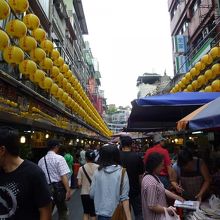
(158, 137)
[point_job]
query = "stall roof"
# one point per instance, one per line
(162, 112)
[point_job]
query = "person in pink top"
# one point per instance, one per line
(166, 171)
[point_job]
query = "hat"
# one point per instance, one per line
(157, 138)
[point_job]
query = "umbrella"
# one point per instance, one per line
(205, 117)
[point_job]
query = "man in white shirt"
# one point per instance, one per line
(56, 170)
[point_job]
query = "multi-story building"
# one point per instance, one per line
(151, 84)
(45, 88)
(195, 27)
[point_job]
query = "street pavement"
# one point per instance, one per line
(75, 207)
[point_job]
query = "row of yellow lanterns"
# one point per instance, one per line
(59, 73)
(197, 79)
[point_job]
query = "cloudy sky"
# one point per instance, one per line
(128, 38)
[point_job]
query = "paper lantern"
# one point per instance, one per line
(188, 76)
(216, 69)
(39, 34)
(208, 74)
(214, 52)
(68, 87)
(64, 68)
(38, 54)
(193, 72)
(31, 21)
(202, 90)
(64, 82)
(27, 67)
(55, 54)
(59, 78)
(4, 42)
(59, 93)
(59, 62)
(48, 82)
(19, 6)
(68, 74)
(31, 77)
(16, 28)
(201, 80)
(27, 43)
(54, 71)
(47, 46)
(216, 85)
(64, 97)
(39, 76)
(198, 66)
(185, 90)
(46, 64)
(4, 9)
(13, 55)
(206, 59)
(190, 88)
(72, 91)
(208, 89)
(194, 85)
(41, 84)
(184, 80)
(54, 89)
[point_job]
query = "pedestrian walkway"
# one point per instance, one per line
(75, 207)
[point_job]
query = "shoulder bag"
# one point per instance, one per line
(87, 176)
(119, 213)
(58, 190)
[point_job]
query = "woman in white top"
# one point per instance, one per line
(84, 181)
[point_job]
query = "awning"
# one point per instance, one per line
(162, 112)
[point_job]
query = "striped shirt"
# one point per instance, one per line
(57, 167)
(152, 193)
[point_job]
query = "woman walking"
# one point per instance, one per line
(105, 188)
(153, 193)
(84, 181)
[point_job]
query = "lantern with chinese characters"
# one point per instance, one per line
(59, 78)
(208, 75)
(39, 34)
(27, 67)
(47, 46)
(19, 6)
(188, 76)
(39, 76)
(68, 87)
(208, 89)
(190, 88)
(54, 71)
(193, 72)
(215, 52)
(59, 62)
(64, 68)
(4, 40)
(27, 43)
(201, 80)
(48, 82)
(54, 89)
(64, 83)
(68, 74)
(46, 64)
(55, 54)
(31, 21)
(206, 59)
(216, 69)
(13, 55)
(60, 93)
(4, 9)
(38, 54)
(16, 28)
(216, 85)
(194, 85)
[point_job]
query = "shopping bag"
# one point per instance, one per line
(170, 217)
(119, 213)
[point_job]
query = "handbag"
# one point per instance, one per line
(58, 191)
(170, 217)
(119, 213)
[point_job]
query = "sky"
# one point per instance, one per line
(128, 38)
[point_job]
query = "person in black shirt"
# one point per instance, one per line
(135, 168)
(24, 193)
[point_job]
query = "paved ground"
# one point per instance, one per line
(75, 207)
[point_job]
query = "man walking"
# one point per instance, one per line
(24, 193)
(135, 168)
(56, 170)
(166, 172)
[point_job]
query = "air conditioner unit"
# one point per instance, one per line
(205, 32)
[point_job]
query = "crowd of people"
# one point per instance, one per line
(109, 176)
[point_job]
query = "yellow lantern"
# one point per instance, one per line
(19, 6)
(54, 89)
(48, 82)
(68, 87)
(216, 85)
(27, 43)
(64, 97)
(72, 91)
(13, 55)
(59, 78)
(54, 71)
(41, 84)
(69, 101)
(59, 93)
(47, 46)
(185, 90)
(16, 28)
(31, 21)
(184, 81)
(4, 42)
(64, 82)
(38, 54)
(201, 80)
(59, 62)
(4, 9)
(46, 63)
(206, 59)
(216, 69)
(27, 67)
(198, 66)
(208, 89)
(190, 88)
(202, 90)
(39, 76)
(208, 74)
(194, 85)
(39, 34)
(64, 68)
(68, 74)
(188, 76)
(55, 54)
(193, 72)
(214, 52)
